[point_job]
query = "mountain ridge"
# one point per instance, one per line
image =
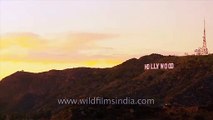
(188, 84)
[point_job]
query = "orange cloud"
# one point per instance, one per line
(23, 40)
(75, 41)
(30, 47)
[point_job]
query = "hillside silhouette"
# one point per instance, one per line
(185, 92)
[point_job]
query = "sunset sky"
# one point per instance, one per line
(39, 35)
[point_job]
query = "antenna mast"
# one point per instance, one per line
(204, 36)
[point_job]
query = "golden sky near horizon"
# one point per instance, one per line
(41, 35)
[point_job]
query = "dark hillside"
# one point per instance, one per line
(188, 89)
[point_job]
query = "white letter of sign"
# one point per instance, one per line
(146, 66)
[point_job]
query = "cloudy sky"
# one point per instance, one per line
(39, 35)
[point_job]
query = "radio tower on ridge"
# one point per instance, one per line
(204, 36)
(203, 50)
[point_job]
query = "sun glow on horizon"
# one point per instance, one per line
(30, 52)
(36, 67)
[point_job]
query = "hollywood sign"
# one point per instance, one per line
(154, 66)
